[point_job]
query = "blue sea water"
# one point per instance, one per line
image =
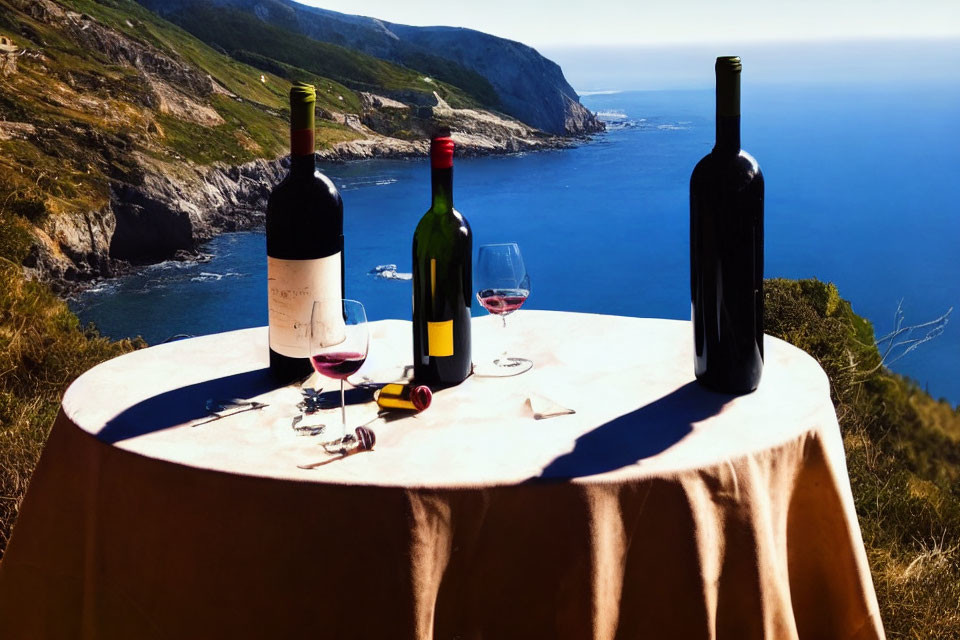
(861, 183)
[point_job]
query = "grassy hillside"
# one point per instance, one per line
(42, 349)
(903, 455)
(83, 116)
(83, 111)
(238, 31)
(903, 447)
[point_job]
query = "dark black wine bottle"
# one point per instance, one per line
(442, 281)
(304, 244)
(726, 251)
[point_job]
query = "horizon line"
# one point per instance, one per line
(852, 39)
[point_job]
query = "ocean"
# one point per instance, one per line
(861, 190)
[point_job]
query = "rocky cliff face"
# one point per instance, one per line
(174, 208)
(531, 87)
(528, 86)
(167, 215)
(136, 153)
(170, 209)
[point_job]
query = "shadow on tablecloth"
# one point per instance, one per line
(640, 434)
(181, 405)
(185, 404)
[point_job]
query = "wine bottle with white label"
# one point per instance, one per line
(304, 244)
(442, 281)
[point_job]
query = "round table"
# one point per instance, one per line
(658, 509)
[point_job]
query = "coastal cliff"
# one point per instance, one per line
(124, 140)
(499, 74)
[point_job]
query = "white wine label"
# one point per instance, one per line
(292, 287)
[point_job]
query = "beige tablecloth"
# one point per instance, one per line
(657, 510)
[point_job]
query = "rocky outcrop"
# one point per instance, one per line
(580, 119)
(119, 48)
(174, 209)
(373, 101)
(531, 87)
(169, 214)
(150, 61)
(16, 130)
(8, 63)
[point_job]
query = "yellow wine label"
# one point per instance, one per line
(440, 338)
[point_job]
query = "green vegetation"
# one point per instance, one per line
(238, 31)
(84, 118)
(471, 82)
(63, 159)
(330, 95)
(244, 136)
(42, 349)
(133, 20)
(903, 455)
(241, 79)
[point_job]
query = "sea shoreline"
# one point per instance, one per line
(69, 283)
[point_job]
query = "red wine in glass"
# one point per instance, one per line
(338, 364)
(339, 342)
(503, 288)
(502, 301)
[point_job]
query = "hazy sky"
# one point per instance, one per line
(626, 22)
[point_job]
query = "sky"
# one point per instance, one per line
(821, 62)
(569, 23)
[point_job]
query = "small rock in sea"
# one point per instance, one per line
(389, 272)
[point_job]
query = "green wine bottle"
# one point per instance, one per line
(442, 281)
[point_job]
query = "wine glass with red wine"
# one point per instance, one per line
(339, 341)
(503, 288)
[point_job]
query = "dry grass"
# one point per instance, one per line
(903, 456)
(42, 350)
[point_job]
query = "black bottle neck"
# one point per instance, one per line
(442, 182)
(303, 165)
(728, 134)
(728, 104)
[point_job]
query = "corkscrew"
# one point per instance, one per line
(363, 439)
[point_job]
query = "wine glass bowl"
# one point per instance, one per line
(504, 286)
(504, 301)
(339, 342)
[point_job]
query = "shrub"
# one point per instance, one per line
(903, 457)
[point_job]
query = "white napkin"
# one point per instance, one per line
(543, 407)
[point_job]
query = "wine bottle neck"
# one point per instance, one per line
(728, 134)
(442, 181)
(302, 125)
(728, 104)
(306, 164)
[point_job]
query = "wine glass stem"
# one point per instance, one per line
(343, 410)
(503, 355)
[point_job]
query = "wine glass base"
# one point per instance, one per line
(503, 367)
